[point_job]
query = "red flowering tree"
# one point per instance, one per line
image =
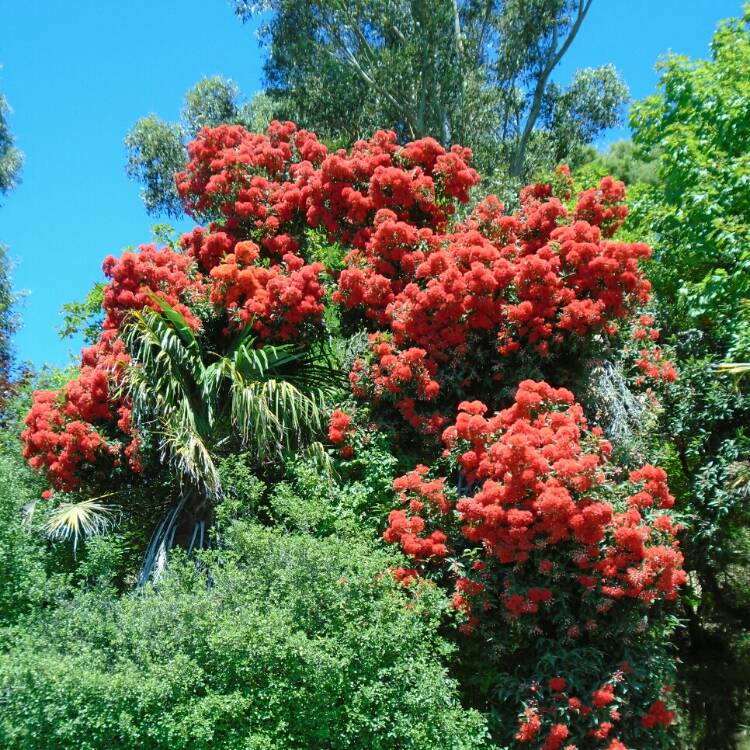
(543, 544)
(560, 564)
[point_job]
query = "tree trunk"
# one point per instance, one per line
(185, 525)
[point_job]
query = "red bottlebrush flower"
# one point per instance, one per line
(658, 715)
(558, 733)
(558, 684)
(603, 696)
(338, 426)
(529, 726)
(136, 276)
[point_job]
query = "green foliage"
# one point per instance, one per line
(210, 102)
(462, 72)
(155, 154)
(156, 149)
(699, 125)
(11, 159)
(281, 641)
(309, 501)
(23, 577)
(704, 448)
(591, 104)
(103, 561)
(707, 420)
(243, 492)
(256, 114)
(9, 320)
(698, 212)
(263, 399)
(621, 160)
(84, 317)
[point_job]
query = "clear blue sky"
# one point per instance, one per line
(79, 74)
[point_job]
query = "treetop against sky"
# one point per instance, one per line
(75, 94)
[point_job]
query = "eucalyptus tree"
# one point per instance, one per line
(475, 72)
(11, 160)
(156, 148)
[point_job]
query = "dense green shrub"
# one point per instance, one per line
(22, 570)
(699, 124)
(278, 641)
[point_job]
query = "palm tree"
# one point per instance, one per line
(200, 404)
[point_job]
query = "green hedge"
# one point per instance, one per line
(288, 642)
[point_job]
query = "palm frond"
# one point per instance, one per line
(165, 384)
(178, 321)
(74, 520)
(739, 478)
(272, 397)
(733, 368)
(317, 453)
(188, 450)
(159, 352)
(28, 511)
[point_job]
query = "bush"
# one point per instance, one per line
(279, 641)
(21, 556)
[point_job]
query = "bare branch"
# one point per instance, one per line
(554, 58)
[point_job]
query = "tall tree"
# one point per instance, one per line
(698, 214)
(699, 120)
(11, 161)
(472, 72)
(475, 72)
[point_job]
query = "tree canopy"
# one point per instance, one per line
(476, 73)
(372, 457)
(700, 207)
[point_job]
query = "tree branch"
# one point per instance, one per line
(554, 58)
(350, 59)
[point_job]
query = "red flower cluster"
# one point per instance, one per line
(529, 278)
(649, 357)
(378, 272)
(58, 444)
(559, 715)
(134, 276)
(339, 426)
(529, 726)
(241, 175)
(402, 378)
(277, 300)
(265, 185)
(406, 531)
(657, 715)
(339, 429)
(73, 428)
(207, 248)
(603, 206)
(534, 476)
(418, 183)
(265, 188)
